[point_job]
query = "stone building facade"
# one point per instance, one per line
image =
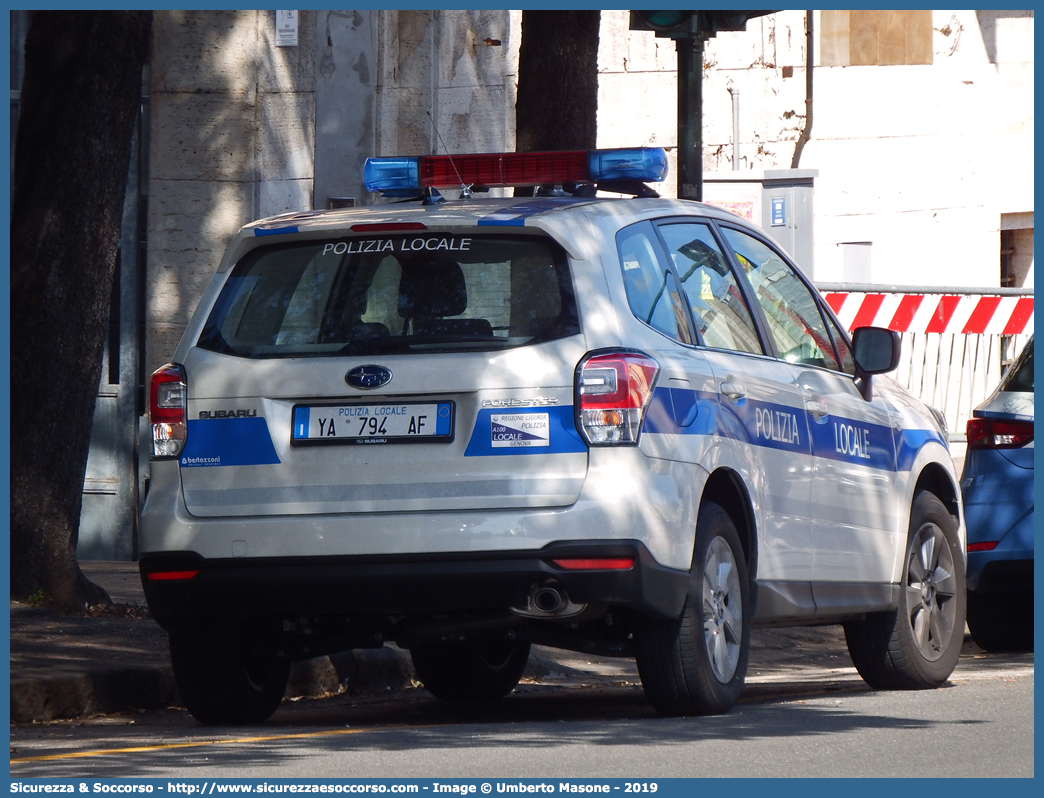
(242, 128)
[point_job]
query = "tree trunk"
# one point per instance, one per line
(557, 103)
(80, 98)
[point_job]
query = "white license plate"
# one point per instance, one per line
(373, 424)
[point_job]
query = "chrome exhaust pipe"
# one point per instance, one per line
(548, 600)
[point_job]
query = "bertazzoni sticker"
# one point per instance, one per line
(520, 429)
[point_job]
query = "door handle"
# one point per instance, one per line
(734, 391)
(818, 409)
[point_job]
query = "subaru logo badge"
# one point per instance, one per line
(368, 376)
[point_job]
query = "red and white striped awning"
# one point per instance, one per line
(968, 314)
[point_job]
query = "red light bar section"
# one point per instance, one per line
(171, 576)
(606, 564)
(504, 169)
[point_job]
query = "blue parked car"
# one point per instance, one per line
(998, 503)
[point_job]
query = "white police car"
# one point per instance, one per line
(623, 426)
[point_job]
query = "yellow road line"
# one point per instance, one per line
(171, 746)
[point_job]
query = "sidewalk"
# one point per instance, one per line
(117, 659)
(69, 666)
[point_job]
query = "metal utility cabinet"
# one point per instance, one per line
(779, 200)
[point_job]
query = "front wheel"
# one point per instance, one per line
(696, 664)
(228, 676)
(470, 670)
(917, 646)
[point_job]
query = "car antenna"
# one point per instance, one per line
(465, 190)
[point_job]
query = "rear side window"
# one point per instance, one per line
(718, 307)
(358, 296)
(1019, 378)
(653, 293)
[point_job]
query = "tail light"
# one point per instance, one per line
(168, 405)
(170, 576)
(995, 433)
(613, 391)
(601, 564)
(988, 545)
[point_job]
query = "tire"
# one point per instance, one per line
(696, 664)
(227, 677)
(916, 646)
(470, 670)
(1001, 621)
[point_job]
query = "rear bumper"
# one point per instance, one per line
(992, 573)
(998, 510)
(1009, 565)
(405, 584)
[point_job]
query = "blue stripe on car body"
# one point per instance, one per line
(516, 215)
(563, 437)
(273, 231)
(777, 426)
(228, 442)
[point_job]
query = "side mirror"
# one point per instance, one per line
(875, 349)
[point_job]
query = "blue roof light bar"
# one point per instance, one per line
(491, 170)
(390, 174)
(645, 164)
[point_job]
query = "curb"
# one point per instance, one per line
(71, 693)
(78, 694)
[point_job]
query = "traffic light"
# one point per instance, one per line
(690, 29)
(690, 24)
(666, 24)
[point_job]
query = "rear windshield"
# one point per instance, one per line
(401, 293)
(1019, 378)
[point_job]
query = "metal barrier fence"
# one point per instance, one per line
(956, 341)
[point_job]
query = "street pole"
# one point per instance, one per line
(690, 117)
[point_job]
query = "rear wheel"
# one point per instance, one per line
(470, 670)
(1001, 621)
(696, 664)
(227, 676)
(917, 646)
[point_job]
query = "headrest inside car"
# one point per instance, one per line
(432, 290)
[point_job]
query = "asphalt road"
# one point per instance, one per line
(809, 723)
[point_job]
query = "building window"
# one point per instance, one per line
(1016, 252)
(875, 38)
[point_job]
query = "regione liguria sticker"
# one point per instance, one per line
(520, 430)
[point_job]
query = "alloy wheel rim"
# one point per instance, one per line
(722, 610)
(931, 590)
